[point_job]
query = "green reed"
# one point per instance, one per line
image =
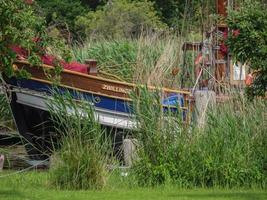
(141, 60)
(6, 120)
(81, 161)
(230, 151)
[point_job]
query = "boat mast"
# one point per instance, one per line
(221, 7)
(222, 59)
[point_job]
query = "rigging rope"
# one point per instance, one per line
(24, 170)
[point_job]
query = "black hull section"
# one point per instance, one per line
(36, 129)
(39, 135)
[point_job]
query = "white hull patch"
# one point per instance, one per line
(104, 116)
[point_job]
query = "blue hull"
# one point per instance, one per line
(113, 112)
(112, 104)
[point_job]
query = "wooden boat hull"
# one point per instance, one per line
(110, 99)
(112, 96)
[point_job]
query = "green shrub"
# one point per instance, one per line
(230, 151)
(19, 25)
(121, 18)
(81, 161)
(175, 13)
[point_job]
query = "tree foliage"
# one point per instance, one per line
(121, 19)
(172, 11)
(248, 42)
(177, 14)
(62, 14)
(21, 27)
(18, 26)
(93, 4)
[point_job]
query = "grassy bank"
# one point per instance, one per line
(34, 185)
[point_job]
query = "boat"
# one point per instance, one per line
(110, 99)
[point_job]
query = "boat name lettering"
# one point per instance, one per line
(115, 89)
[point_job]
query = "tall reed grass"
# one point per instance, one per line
(158, 134)
(146, 60)
(6, 120)
(230, 151)
(81, 161)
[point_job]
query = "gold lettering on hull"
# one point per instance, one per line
(115, 89)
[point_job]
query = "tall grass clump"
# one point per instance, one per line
(81, 161)
(157, 56)
(142, 60)
(157, 133)
(230, 151)
(116, 57)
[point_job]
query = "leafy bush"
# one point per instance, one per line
(248, 41)
(81, 162)
(21, 27)
(229, 152)
(173, 12)
(121, 18)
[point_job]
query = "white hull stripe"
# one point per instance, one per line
(105, 117)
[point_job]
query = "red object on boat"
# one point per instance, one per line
(51, 60)
(73, 66)
(225, 34)
(77, 67)
(19, 51)
(48, 59)
(249, 79)
(198, 59)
